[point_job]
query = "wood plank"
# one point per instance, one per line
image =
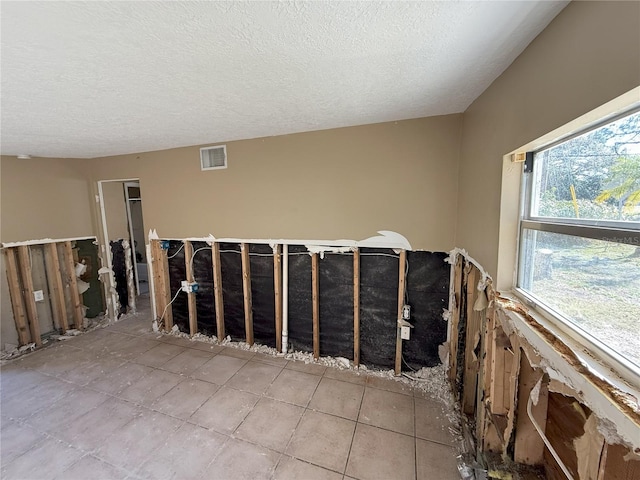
(315, 295)
(76, 302)
(499, 364)
(163, 262)
(15, 292)
(455, 319)
(472, 338)
(191, 296)
(356, 307)
(246, 289)
(401, 290)
(217, 290)
(277, 288)
(56, 287)
(157, 281)
(529, 446)
(24, 262)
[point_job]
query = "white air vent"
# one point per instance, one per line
(213, 158)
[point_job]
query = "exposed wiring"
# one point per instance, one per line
(168, 305)
(177, 251)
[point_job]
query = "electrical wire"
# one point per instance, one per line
(168, 305)
(177, 251)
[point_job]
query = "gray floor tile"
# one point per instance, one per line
(390, 410)
(185, 398)
(17, 438)
(323, 440)
(436, 461)
(271, 424)
(240, 460)
(67, 409)
(293, 469)
(122, 377)
(158, 355)
(337, 398)
(389, 384)
(225, 410)
(237, 353)
(46, 459)
(89, 431)
(378, 454)
(152, 386)
(206, 347)
(270, 359)
(254, 377)
(187, 361)
(219, 369)
(131, 444)
(36, 398)
(293, 387)
(432, 422)
(313, 368)
(89, 372)
(346, 376)
(90, 467)
(184, 454)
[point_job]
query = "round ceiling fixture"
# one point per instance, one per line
(24, 157)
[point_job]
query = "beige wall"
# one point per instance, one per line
(40, 198)
(340, 183)
(588, 55)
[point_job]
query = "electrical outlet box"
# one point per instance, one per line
(185, 286)
(164, 244)
(405, 333)
(38, 295)
(406, 312)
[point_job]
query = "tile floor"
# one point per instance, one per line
(122, 402)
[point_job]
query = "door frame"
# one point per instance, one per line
(109, 292)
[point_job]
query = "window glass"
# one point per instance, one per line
(594, 176)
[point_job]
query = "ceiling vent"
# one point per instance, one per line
(213, 158)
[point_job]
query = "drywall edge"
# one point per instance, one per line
(46, 240)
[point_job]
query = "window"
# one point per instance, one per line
(579, 250)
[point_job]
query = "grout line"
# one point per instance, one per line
(415, 440)
(355, 429)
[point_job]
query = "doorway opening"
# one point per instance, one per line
(124, 244)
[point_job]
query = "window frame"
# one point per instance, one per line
(603, 230)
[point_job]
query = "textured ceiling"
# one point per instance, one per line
(88, 79)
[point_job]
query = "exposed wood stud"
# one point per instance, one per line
(163, 263)
(17, 302)
(217, 290)
(472, 339)
(76, 302)
(455, 319)
(158, 285)
(315, 293)
(27, 284)
(401, 290)
(191, 296)
(356, 307)
(56, 287)
(246, 288)
(277, 288)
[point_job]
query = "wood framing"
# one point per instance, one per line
(401, 292)
(217, 290)
(356, 307)
(471, 363)
(27, 284)
(315, 297)
(277, 288)
(56, 287)
(191, 296)
(455, 319)
(162, 290)
(246, 288)
(529, 447)
(17, 302)
(76, 302)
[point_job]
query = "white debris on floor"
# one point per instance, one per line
(431, 380)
